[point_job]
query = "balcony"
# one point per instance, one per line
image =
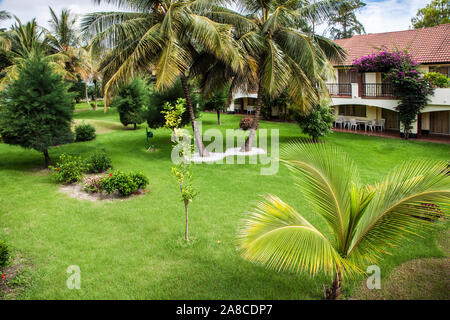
(377, 90)
(365, 90)
(340, 89)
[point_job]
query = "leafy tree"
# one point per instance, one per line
(318, 122)
(77, 87)
(131, 101)
(343, 21)
(37, 108)
(183, 173)
(173, 115)
(167, 35)
(155, 117)
(362, 221)
(434, 14)
(216, 101)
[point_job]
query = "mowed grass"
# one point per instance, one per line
(134, 249)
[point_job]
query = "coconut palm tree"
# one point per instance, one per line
(362, 221)
(63, 33)
(63, 37)
(22, 41)
(164, 36)
(286, 59)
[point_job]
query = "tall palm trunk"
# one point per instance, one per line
(86, 91)
(248, 143)
(95, 95)
(198, 138)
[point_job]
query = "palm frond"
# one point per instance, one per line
(276, 235)
(403, 206)
(326, 178)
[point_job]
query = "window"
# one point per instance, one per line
(353, 111)
(347, 76)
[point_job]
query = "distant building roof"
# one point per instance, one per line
(427, 45)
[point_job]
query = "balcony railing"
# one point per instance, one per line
(377, 90)
(340, 89)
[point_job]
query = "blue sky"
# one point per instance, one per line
(377, 16)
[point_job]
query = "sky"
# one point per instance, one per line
(378, 16)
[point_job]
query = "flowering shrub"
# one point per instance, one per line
(384, 62)
(140, 180)
(69, 169)
(408, 85)
(124, 183)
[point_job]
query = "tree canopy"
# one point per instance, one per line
(435, 13)
(37, 108)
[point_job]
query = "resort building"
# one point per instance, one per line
(365, 99)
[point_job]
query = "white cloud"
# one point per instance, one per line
(377, 16)
(29, 9)
(389, 15)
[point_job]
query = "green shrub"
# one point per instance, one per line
(4, 253)
(84, 132)
(69, 169)
(98, 162)
(317, 123)
(124, 183)
(93, 184)
(140, 179)
(438, 79)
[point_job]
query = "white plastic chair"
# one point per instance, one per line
(250, 109)
(339, 121)
(371, 125)
(381, 124)
(353, 124)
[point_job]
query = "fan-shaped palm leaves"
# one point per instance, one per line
(284, 57)
(363, 220)
(165, 36)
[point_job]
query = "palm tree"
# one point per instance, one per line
(285, 58)
(22, 41)
(63, 33)
(162, 35)
(64, 38)
(362, 220)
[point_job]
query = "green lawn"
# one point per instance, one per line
(134, 249)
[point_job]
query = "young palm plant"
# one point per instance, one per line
(165, 36)
(286, 58)
(362, 221)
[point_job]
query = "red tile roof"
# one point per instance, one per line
(427, 45)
